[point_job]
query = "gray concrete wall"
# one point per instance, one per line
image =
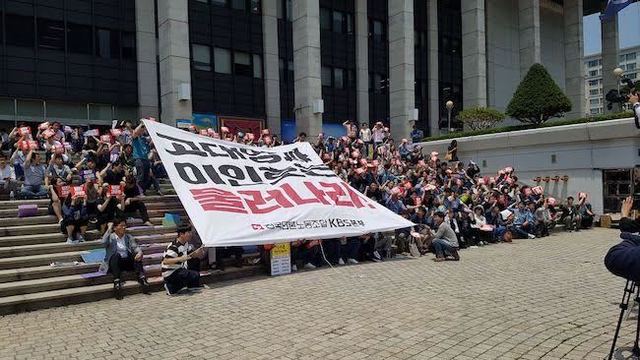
(582, 151)
(146, 54)
(573, 57)
(401, 67)
(271, 66)
(503, 52)
(610, 61)
(474, 53)
(434, 87)
(306, 63)
(174, 57)
(529, 34)
(362, 61)
(552, 40)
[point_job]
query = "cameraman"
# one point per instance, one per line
(624, 259)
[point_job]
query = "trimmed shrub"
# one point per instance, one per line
(479, 118)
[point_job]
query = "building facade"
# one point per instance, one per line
(629, 62)
(290, 65)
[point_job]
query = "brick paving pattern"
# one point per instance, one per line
(547, 298)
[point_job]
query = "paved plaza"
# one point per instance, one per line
(547, 298)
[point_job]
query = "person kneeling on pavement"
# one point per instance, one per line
(122, 254)
(174, 264)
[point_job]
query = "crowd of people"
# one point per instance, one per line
(452, 205)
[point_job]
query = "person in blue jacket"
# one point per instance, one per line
(623, 259)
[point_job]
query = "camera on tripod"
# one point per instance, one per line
(622, 96)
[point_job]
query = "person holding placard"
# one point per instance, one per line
(75, 220)
(34, 177)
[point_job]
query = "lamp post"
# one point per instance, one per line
(618, 72)
(449, 105)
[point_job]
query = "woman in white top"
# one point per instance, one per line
(479, 225)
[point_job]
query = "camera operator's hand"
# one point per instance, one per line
(627, 204)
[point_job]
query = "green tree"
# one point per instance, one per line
(538, 98)
(479, 118)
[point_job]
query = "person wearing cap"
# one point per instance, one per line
(122, 254)
(175, 274)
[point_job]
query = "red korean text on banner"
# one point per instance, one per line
(63, 191)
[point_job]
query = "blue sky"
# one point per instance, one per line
(628, 28)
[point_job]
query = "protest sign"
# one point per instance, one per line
(242, 195)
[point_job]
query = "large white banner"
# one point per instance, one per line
(244, 195)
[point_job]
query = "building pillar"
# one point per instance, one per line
(610, 60)
(146, 53)
(401, 67)
(433, 72)
(474, 54)
(306, 64)
(271, 64)
(529, 26)
(362, 61)
(174, 57)
(573, 57)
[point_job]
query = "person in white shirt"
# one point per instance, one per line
(8, 182)
(377, 134)
(365, 136)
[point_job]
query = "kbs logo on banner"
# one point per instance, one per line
(310, 224)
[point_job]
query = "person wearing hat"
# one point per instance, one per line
(174, 263)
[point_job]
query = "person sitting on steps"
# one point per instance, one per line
(122, 254)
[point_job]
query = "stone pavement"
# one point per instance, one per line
(534, 299)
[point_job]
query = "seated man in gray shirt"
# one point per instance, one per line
(445, 240)
(34, 177)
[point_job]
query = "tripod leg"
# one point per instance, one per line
(624, 304)
(636, 348)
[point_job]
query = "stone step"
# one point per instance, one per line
(6, 214)
(58, 237)
(46, 299)
(66, 257)
(69, 281)
(51, 248)
(40, 272)
(45, 202)
(13, 213)
(46, 228)
(156, 211)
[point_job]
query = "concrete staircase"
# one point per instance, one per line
(39, 270)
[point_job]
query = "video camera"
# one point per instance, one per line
(621, 97)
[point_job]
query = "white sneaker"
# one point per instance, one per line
(80, 238)
(352, 261)
(340, 261)
(70, 241)
(294, 268)
(376, 255)
(531, 236)
(309, 266)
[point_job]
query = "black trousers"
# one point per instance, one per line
(118, 264)
(137, 206)
(181, 278)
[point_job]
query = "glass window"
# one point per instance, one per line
(377, 83)
(34, 108)
(631, 66)
(349, 18)
(201, 55)
(66, 110)
(594, 101)
(378, 31)
(593, 82)
(20, 30)
(338, 78)
(239, 4)
(50, 34)
(203, 1)
(631, 57)
(128, 45)
(325, 19)
(279, 9)
(593, 73)
(594, 92)
(255, 6)
(351, 79)
(107, 44)
(79, 39)
(622, 58)
(257, 66)
(632, 76)
(338, 22)
(222, 59)
(222, 3)
(593, 63)
(326, 76)
(242, 64)
(100, 112)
